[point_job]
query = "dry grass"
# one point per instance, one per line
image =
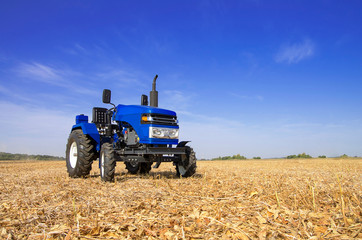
(262, 199)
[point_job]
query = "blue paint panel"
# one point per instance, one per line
(132, 115)
(81, 119)
(160, 141)
(137, 109)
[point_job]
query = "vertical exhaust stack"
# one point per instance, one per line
(154, 94)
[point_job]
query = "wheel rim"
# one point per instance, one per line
(181, 169)
(73, 155)
(102, 164)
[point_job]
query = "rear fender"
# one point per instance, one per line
(89, 129)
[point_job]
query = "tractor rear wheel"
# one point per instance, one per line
(187, 166)
(80, 153)
(107, 161)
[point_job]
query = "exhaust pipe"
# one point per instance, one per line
(154, 94)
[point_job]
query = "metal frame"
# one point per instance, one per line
(151, 151)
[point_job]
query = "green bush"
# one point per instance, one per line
(238, 156)
(301, 155)
(322, 156)
(17, 156)
(256, 157)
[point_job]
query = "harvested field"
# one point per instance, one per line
(260, 199)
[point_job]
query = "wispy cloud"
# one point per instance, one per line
(176, 100)
(40, 71)
(59, 77)
(294, 53)
(77, 49)
(14, 95)
(120, 76)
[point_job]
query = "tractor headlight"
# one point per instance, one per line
(146, 119)
(170, 133)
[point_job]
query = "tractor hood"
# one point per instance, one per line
(124, 110)
(131, 114)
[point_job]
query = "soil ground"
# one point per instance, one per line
(252, 199)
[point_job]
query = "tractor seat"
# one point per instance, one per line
(100, 116)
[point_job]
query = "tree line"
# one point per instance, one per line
(237, 157)
(298, 156)
(18, 156)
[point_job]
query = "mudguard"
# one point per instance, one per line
(89, 129)
(182, 144)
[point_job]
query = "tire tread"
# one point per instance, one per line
(86, 154)
(109, 162)
(190, 162)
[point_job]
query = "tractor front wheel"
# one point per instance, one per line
(132, 167)
(145, 167)
(107, 160)
(80, 153)
(187, 166)
(142, 168)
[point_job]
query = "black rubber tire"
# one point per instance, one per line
(107, 159)
(145, 167)
(189, 164)
(132, 169)
(86, 153)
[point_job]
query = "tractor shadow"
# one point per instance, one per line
(122, 177)
(125, 176)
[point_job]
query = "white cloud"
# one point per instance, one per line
(294, 53)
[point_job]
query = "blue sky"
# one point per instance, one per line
(259, 78)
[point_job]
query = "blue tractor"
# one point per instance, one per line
(138, 135)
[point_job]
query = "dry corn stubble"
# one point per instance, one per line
(260, 199)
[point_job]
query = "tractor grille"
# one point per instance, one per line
(161, 119)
